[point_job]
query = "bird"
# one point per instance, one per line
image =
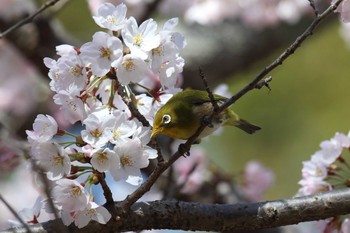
(182, 115)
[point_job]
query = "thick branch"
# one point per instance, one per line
(215, 217)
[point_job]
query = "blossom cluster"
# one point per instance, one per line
(328, 169)
(93, 86)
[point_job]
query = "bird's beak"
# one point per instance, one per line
(155, 132)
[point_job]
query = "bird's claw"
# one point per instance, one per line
(183, 150)
(207, 122)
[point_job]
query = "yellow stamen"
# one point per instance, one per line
(125, 161)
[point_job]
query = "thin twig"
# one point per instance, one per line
(155, 145)
(133, 109)
(30, 18)
(313, 6)
(107, 194)
(264, 83)
(185, 148)
(207, 88)
(13, 211)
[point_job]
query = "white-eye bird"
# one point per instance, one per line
(182, 115)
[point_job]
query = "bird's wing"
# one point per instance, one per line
(204, 98)
(202, 105)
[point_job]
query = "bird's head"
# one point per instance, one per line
(164, 123)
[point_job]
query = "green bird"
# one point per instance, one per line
(182, 115)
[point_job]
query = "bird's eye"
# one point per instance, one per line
(166, 119)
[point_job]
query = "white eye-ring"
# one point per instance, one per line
(166, 119)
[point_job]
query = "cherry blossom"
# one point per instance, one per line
(111, 17)
(344, 11)
(44, 128)
(104, 50)
(103, 159)
(70, 195)
(256, 180)
(82, 217)
(71, 105)
(99, 126)
(123, 129)
(92, 212)
(131, 69)
(132, 158)
(141, 40)
(29, 215)
(52, 158)
(190, 172)
(322, 172)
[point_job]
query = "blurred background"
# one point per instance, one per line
(231, 43)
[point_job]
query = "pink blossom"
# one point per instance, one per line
(44, 128)
(319, 173)
(344, 11)
(83, 217)
(110, 16)
(345, 226)
(135, 7)
(312, 186)
(256, 180)
(70, 195)
(190, 171)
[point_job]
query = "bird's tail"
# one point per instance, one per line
(233, 119)
(246, 126)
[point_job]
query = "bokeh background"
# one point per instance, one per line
(307, 103)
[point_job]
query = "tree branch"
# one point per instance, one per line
(179, 215)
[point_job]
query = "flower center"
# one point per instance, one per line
(102, 156)
(96, 133)
(138, 39)
(58, 160)
(105, 53)
(129, 65)
(125, 161)
(111, 20)
(76, 71)
(75, 191)
(116, 134)
(72, 105)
